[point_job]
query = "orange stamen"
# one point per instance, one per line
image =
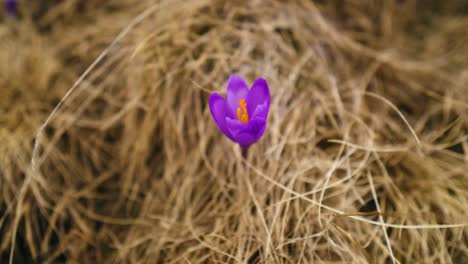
(242, 114)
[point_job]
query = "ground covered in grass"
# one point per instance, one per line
(109, 154)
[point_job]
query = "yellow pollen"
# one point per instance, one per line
(242, 114)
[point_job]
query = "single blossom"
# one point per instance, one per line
(10, 7)
(242, 116)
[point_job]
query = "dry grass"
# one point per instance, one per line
(365, 157)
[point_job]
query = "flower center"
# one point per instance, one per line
(242, 114)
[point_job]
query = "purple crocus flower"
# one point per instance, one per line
(10, 7)
(242, 117)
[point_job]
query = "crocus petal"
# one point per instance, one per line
(258, 95)
(246, 134)
(218, 109)
(236, 89)
(261, 111)
(11, 8)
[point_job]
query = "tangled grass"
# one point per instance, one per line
(364, 160)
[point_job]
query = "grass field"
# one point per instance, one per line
(109, 154)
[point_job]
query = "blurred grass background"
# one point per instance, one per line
(364, 159)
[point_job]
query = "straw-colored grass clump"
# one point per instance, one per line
(364, 159)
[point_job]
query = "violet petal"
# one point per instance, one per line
(258, 95)
(237, 89)
(218, 109)
(246, 134)
(261, 111)
(11, 8)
